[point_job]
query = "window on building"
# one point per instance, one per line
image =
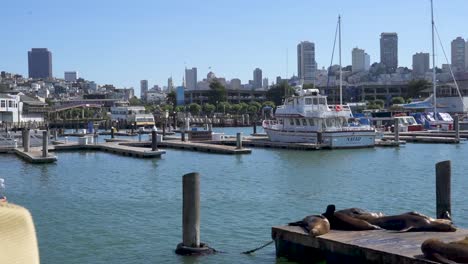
(291, 122)
(308, 101)
(298, 122)
(315, 101)
(304, 122)
(2, 103)
(10, 103)
(322, 101)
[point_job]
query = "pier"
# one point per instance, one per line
(34, 155)
(111, 147)
(375, 246)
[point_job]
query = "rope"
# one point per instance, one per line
(255, 249)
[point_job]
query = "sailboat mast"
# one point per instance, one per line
(341, 70)
(434, 91)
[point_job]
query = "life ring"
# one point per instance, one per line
(338, 108)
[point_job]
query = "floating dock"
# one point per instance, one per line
(425, 139)
(111, 147)
(375, 246)
(34, 155)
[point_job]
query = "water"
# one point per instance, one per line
(94, 207)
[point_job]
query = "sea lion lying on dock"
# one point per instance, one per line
(346, 220)
(449, 253)
(361, 213)
(413, 221)
(315, 225)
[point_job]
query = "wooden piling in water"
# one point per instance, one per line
(26, 139)
(112, 132)
(239, 140)
(191, 210)
(396, 130)
(443, 190)
(154, 145)
(45, 140)
(456, 126)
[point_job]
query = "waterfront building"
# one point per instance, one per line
(132, 114)
(360, 60)
(257, 78)
(389, 51)
(71, 76)
(155, 96)
(420, 64)
(191, 79)
(233, 96)
(40, 63)
(306, 65)
(17, 107)
(143, 89)
(458, 54)
(235, 84)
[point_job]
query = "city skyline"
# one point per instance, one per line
(109, 48)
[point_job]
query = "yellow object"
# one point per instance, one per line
(18, 242)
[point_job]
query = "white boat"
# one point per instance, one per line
(307, 118)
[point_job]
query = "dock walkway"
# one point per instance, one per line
(376, 246)
(112, 147)
(34, 155)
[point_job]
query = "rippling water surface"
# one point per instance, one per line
(93, 207)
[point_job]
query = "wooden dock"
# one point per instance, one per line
(34, 155)
(111, 147)
(204, 147)
(425, 139)
(376, 246)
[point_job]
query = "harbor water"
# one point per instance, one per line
(94, 207)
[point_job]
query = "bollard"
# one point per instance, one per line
(191, 244)
(45, 139)
(154, 145)
(112, 132)
(239, 140)
(26, 140)
(396, 129)
(456, 127)
(443, 175)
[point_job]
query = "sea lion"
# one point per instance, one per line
(315, 225)
(449, 253)
(343, 221)
(361, 213)
(413, 221)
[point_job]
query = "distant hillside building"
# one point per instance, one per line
(420, 64)
(143, 89)
(360, 60)
(306, 65)
(257, 78)
(191, 78)
(71, 76)
(389, 51)
(458, 55)
(40, 63)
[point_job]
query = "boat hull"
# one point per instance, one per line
(334, 139)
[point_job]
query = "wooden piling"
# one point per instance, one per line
(26, 139)
(254, 127)
(239, 140)
(191, 210)
(154, 145)
(182, 134)
(456, 126)
(396, 130)
(112, 132)
(45, 140)
(443, 190)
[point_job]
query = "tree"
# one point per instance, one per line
(168, 108)
(278, 92)
(195, 108)
(243, 108)
(269, 104)
(415, 87)
(254, 107)
(217, 92)
(171, 98)
(224, 107)
(135, 101)
(179, 108)
(235, 108)
(208, 108)
(398, 100)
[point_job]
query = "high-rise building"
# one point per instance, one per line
(306, 65)
(191, 78)
(257, 78)
(143, 89)
(466, 55)
(359, 60)
(265, 83)
(71, 76)
(458, 54)
(420, 63)
(366, 61)
(235, 84)
(389, 51)
(40, 63)
(170, 84)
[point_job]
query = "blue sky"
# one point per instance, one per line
(122, 42)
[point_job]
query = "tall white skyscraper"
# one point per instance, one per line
(458, 54)
(191, 79)
(143, 89)
(420, 63)
(306, 65)
(257, 78)
(361, 60)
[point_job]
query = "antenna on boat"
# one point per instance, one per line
(433, 63)
(341, 70)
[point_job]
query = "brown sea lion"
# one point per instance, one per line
(361, 213)
(413, 221)
(315, 225)
(449, 253)
(343, 221)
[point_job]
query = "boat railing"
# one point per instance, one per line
(338, 108)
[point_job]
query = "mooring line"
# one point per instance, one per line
(253, 250)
